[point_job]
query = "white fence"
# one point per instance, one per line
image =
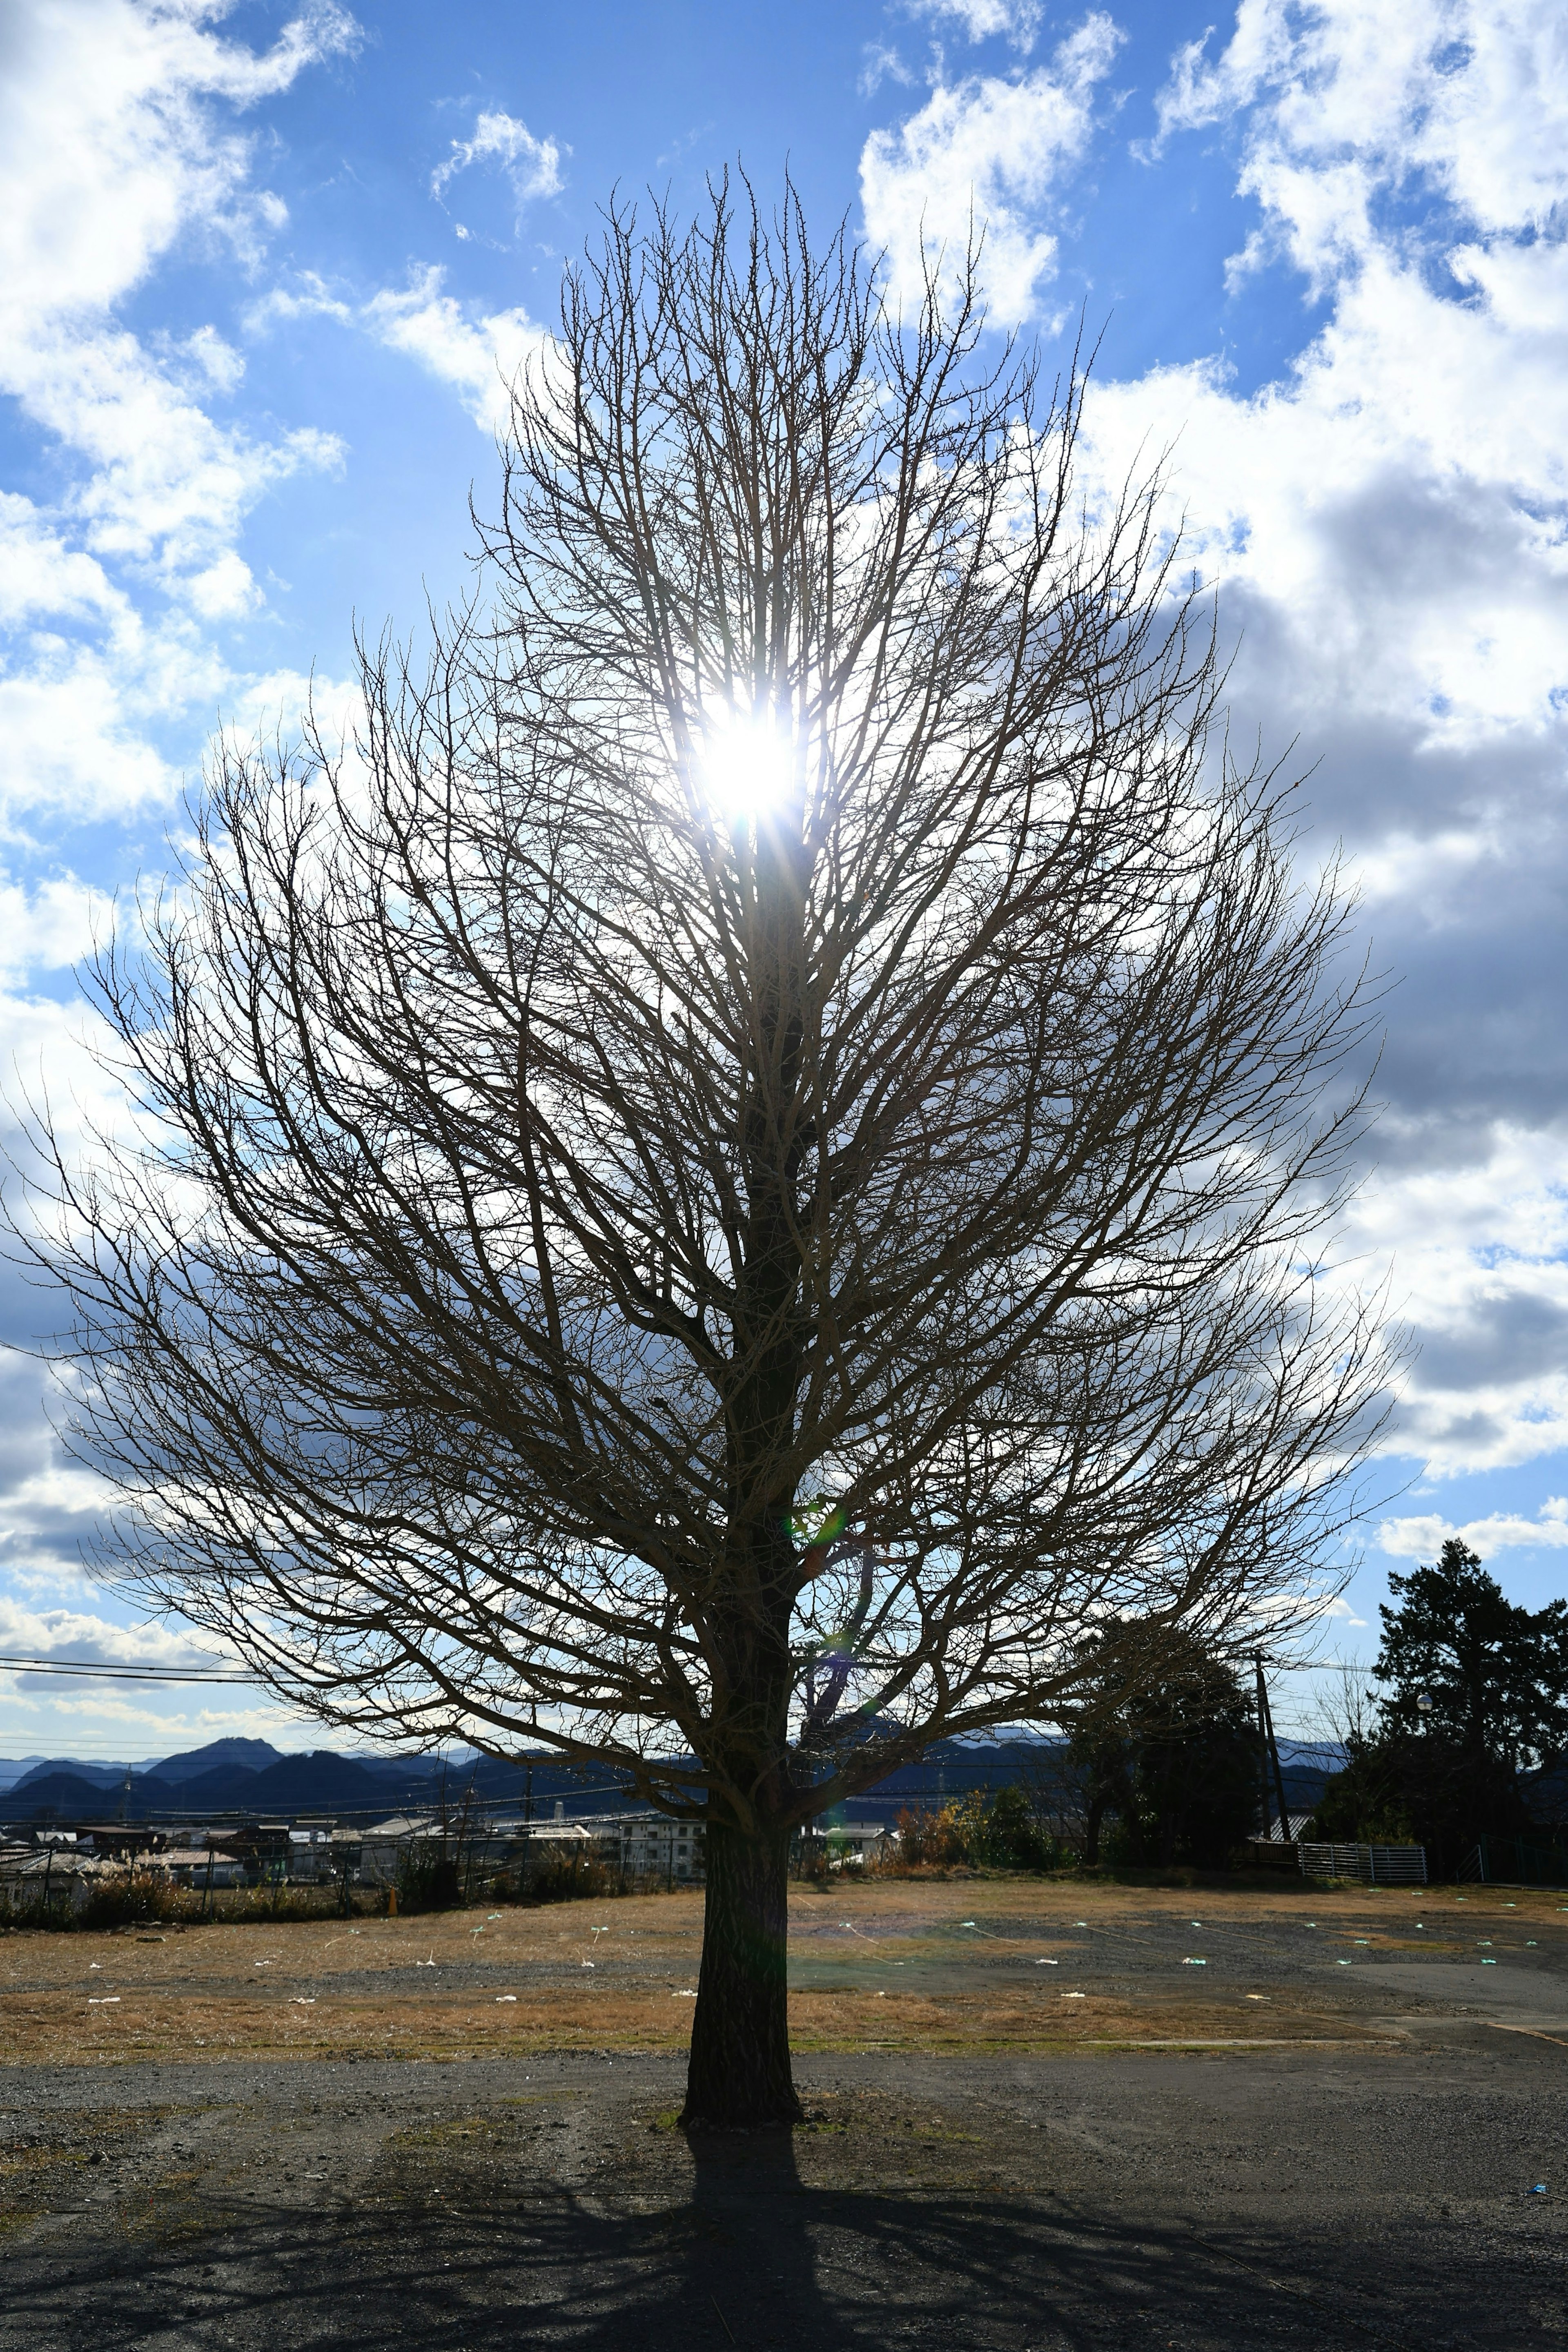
(1375, 1865)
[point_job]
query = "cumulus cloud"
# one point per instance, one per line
(532, 165)
(984, 156)
(125, 140)
(1359, 96)
(109, 153)
(1386, 527)
(53, 1715)
(45, 928)
(122, 134)
(82, 1635)
(1478, 1246)
(1422, 1539)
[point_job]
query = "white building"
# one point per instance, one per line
(850, 1845)
(650, 1845)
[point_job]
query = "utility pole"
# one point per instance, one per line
(1269, 1753)
(1263, 1752)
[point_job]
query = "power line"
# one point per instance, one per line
(118, 1673)
(1321, 1666)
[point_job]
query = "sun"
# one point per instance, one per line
(747, 765)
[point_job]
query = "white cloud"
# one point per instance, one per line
(110, 154)
(986, 153)
(41, 573)
(93, 1640)
(109, 151)
(122, 144)
(1016, 20)
(1423, 1538)
(479, 358)
(1359, 101)
(47, 928)
(62, 1716)
(1199, 92)
(1357, 97)
(1441, 377)
(119, 141)
(1387, 527)
(532, 165)
(73, 718)
(1478, 1253)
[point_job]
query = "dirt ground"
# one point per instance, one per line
(1039, 2117)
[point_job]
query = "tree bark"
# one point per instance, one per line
(738, 2076)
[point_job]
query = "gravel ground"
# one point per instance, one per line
(1373, 2184)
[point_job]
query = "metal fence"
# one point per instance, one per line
(1375, 1865)
(1513, 1862)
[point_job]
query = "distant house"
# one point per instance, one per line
(262, 1846)
(200, 1866)
(63, 1873)
(124, 1841)
(381, 1848)
(312, 1860)
(849, 1844)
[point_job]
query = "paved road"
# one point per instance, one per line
(1302, 2200)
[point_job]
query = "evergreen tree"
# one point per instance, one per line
(1173, 1756)
(1475, 1693)
(1463, 1663)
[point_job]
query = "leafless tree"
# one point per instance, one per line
(743, 1167)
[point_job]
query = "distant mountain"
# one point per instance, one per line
(250, 1755)
(67, 1796)
(320, 1782)
(225, 1791)
(99, 1776)
(367, 1787)
(250, 1778)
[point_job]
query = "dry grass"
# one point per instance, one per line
(908, 1964)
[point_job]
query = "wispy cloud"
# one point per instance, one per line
(532, 165)
(1016, 21)
(478, 354)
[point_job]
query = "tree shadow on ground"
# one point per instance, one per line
(755, 2259)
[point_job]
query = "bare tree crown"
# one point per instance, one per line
(735, 1281)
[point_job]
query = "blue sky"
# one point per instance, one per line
(259, 269)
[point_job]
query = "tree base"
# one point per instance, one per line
(738, 2076)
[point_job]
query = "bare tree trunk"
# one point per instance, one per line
(738, 2075)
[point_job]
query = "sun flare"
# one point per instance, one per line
(747, 764)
